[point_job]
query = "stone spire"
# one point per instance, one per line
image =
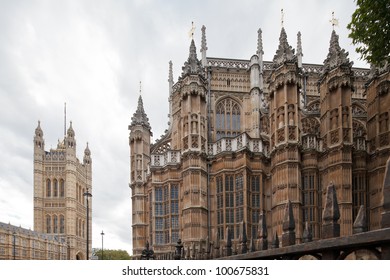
(170, 78)
(260, 51)
(87, 155)
(262, 232)
(331, 214)
(38, 130)
(288, 236)
(192, 65)
(170, 81)
(140, 117)
(203, 48)
(70, 131)
(336, 56)
(360, 224)
(299, 49)
(284, 53)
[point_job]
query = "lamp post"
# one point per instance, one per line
(179, 247)
(87, 195)
(14, 244)
(102, 233)
(147, 253)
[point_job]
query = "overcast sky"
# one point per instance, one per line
(93, 54)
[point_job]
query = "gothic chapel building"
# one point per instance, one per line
(61, 183)
(246, 137)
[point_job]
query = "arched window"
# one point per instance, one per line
(55, 188)
(77, 227)
(62, 188)
(83, 229)
(48, 224)
(228, 118)
(48, 188)
(55, 224)
(62, 224)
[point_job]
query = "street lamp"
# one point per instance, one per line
(102, 233)
(179, 247)
(14, 244)
(87, 195)
(146, 253)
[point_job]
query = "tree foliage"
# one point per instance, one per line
(370, 30)
(113, 254)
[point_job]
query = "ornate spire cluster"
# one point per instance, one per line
(140, 117)
(204, 42)
(70, 131)
(260, 51)
(299, 49)
(38, 130)
(170, 77)
(203, 48)
(285, 53)
(192, 65)
(336, 56)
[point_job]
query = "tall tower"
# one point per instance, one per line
(256, 78)
(193, 119)
(139, 141)
(284, 109)
(336, 129)
(60, 181)
(378, 139)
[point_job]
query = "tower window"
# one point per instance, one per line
(228, 118)
(55, 224)
(55, 188)
(62, 224)
(48, 224)
(62, 188)
(48, 188)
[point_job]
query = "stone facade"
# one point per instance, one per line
(61, 183)
(17, 243)
(248, 137)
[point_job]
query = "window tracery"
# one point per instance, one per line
(228, 118)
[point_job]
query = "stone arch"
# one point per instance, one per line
(228, 117)
(313, 107)
(79, 256)
(358, 109)
(361, 254)
(309, 257)
(358, 128)
(310, 125)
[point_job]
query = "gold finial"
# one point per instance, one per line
(282, 17)
(192, 31)
(334, 21)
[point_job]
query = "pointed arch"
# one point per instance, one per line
(227, 118)
(55, 224)
(62, 188)
(62, 224)
(48, 188)
(55, 188)
(48, 224)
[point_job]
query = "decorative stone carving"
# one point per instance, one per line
(336, 56)
(285, 52)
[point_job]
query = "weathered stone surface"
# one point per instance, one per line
(307, 234)
(386, 197)
(331, 214)
(262, 243)
(275, 241)
(228, 242)
(360, 224)
(288, 235)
